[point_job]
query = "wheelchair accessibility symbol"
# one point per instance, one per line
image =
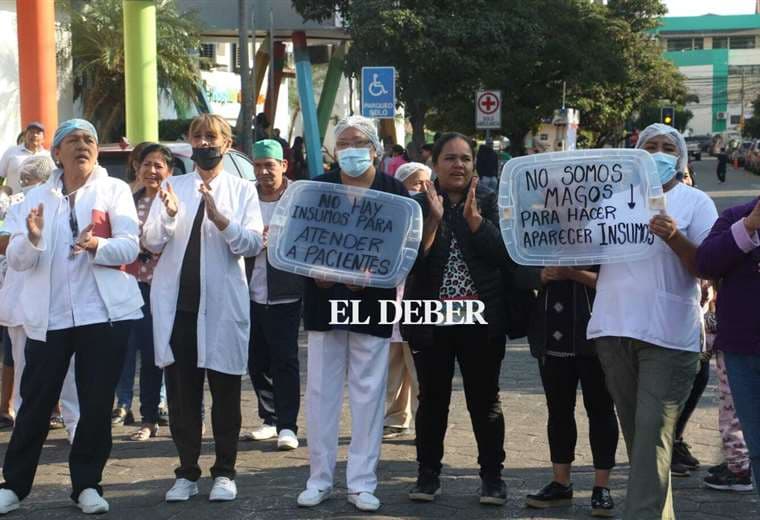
(376, 88)
(379, 92)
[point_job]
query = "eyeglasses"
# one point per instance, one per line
(342, 145)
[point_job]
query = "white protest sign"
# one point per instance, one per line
(345, 234)
(580, 207)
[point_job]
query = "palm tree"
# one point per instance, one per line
(97, 32)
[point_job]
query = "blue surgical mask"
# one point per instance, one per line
(412, 193)
(666, 165)
(354, 161)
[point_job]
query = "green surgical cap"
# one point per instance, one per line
(267, 148)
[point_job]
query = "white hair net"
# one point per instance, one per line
(40, 167)
(405, 170)
(673, 135)
(364, 125)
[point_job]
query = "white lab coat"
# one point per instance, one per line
(224, 312)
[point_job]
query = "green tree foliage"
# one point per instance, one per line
(444, 50)
(97, 32)
(652, 114)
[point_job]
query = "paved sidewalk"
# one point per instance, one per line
(138, 474)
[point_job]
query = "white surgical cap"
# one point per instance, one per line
(364, 125)
(673, 135)
(38, 166)
(405, 170)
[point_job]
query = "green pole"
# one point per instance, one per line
(140, 70)
(330, 89)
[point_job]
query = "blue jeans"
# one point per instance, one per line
(141, 338)
(744, 379)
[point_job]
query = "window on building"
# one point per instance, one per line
(208, 50)
(235, 57)
(742, 42)
(720, 43)
(735, 119)
(685, 44)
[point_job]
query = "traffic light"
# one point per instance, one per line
(668, 115)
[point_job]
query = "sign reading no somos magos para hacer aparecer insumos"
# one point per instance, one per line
(580, 207)
(345, 234)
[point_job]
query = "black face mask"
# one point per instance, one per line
(207, 158)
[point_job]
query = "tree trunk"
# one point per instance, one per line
(417, 118)
(246, 102)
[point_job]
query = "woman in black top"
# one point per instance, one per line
(557, 338)
(462, 257)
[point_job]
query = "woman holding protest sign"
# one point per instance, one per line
(359, 349)
(461, 258)
(203, 224)
(647, 323)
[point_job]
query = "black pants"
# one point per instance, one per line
(721, 174)
(697, 389)
(184, 394)
(480, 363)
(100, 352)
(560, 377)
(273, 362)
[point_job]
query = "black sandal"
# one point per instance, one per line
(56, 422)
(6, 422)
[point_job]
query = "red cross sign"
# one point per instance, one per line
(488, 109)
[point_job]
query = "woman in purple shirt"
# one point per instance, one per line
(731, 254)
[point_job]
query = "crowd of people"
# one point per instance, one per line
(176, 268)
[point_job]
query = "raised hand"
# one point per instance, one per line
(752, 221)
(471, 211)
(435, 201)
(169, 199)
(35, 221)
(213, 214)
(86, 242)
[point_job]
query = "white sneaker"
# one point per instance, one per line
(287, 440)
(8, 501)
(91, 503)
(182, 490)
(311, 497)
(364, 501)
(224, 490)
(261, 433)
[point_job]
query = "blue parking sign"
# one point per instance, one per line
(379, 92)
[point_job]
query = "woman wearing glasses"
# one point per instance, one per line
(70, 237)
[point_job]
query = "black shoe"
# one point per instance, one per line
(679, 470)
(602, 503)
(493, 492)
(682, 455)
(717, 469)
(730, 481)
(553, 494)
(121, 415)
(427, 488)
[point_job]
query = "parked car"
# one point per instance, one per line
(694, 148)
(113, 157)
(752, 157)
(739, 154)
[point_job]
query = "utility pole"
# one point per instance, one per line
(271, 86)
(741, 102)
(246, 111)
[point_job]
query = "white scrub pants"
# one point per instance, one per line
(69, 399)
(365, 358)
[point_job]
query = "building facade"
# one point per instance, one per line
(720, 58)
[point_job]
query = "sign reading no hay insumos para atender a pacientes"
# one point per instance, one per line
(581, 207)
(345, 234)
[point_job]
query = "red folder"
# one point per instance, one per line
(101, 227)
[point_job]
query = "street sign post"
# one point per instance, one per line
(379, 92)
(488, 109)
